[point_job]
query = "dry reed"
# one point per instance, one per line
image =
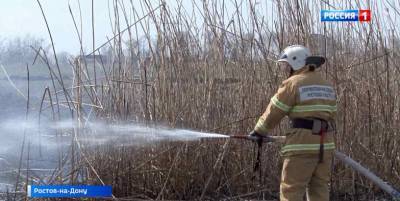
(212, 70)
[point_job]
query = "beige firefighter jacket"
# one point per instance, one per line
(304, 95)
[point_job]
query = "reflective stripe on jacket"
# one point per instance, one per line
(306, 94)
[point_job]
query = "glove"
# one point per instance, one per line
(255, 136)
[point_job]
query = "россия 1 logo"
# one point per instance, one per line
(346, 15)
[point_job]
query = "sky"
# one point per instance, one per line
(19, 18)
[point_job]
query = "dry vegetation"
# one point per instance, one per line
(210, 67)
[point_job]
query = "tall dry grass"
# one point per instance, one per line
(210, 67)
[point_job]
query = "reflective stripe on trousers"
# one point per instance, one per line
(306, 147)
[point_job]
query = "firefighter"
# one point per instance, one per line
(310, 103)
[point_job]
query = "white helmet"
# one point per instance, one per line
(295, 55)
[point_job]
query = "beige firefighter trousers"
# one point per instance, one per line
(303, 174)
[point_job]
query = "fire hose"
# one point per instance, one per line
(339, 155)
